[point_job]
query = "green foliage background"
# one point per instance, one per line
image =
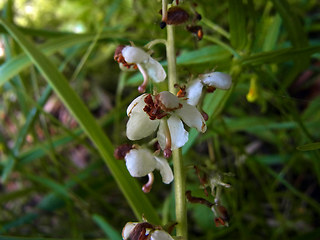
(59, 179)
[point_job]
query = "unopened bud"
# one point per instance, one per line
(176, 16)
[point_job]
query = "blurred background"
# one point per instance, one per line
(263, 135)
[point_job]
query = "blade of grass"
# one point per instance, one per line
(237, 23)
(131, 190)
(106, 227)
(279, 55)
(309, 147)
(15, 65)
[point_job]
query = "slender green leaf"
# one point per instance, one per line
(237, 22)
(309, 146)
(279, 55)
(131, 190)
(291, 23)
(106, 227)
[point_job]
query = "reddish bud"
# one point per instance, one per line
(176, 16)
(196, 30)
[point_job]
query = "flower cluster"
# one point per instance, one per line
(164, 113)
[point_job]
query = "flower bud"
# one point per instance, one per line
(176, 16)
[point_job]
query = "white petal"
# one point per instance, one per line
(155, 70)
(217, 80)
(161, 134)
(140, 126)
(194, 91)
(137, 104)
(160, 235)
(165, 170)
(140, 162)
(192, 117)
(134, 54)
(127, 229)
(179, 136)
(169, 100)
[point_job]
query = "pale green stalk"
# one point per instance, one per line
(179, 175)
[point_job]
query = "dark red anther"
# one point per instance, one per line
(121, 151)
(205, 115)
(210, 89)
(219, 222)
(118, 52)
(167, 152)
(139, 231)
(120, 59)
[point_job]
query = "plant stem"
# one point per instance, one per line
(180, 189)
(171, 58)
(179, 175)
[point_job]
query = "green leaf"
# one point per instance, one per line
(237, 22)
(129, 187)
(15, 65)
(309, 146)
(292, 23)
(106, 227)
(279, 55)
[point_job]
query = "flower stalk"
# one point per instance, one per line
(179, 182)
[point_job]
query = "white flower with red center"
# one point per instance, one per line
(133, 57)
(141, 162)
(211, 80)
(164, 112)
(144, 231)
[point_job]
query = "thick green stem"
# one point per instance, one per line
(180, 189)
(179, 175)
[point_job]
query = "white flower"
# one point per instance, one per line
(165, 111)
(140, 162)
(129, 56)
(214, 79)
(144, 231)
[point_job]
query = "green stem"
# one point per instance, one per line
(179, 175)
(171, 58)
(180, 189)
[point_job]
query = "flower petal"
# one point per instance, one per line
(179, 136)
(137, 104)
(160, 235)
(155, 70)
(140, 126)
(168, 100)
(165, 170)
(192, 117)
(134, 55)
(194, 91)
(140, 162)
(217, 80)
(127, 229)
(161, 134)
